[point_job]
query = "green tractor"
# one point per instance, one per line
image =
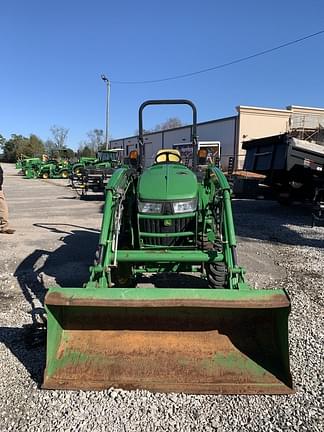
(29, 166)
(96, 175)
(20, 160)
(83, 162)
(212, 335)
(54, 169)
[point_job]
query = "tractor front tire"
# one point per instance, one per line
(123, 277)
(216, 275)
(217, 272)
(45, 175)
(64, 174)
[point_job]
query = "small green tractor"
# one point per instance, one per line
(209, 335)
(20, 160)
(29, 165)
(54, 169)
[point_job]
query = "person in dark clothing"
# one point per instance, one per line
(4, 224)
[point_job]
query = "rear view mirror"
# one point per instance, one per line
(133, 157)
(202, 156)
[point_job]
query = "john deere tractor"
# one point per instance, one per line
(83, 162)
(215, 336)
(29, 166)
(95, 176)
(54, 169)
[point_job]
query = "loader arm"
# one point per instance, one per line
(116, 190)
(236, 273)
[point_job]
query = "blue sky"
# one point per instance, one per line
(53, 53)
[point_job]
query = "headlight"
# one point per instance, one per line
(149, 207)
(184, 206)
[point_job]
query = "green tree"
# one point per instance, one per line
(14, 146)
(35, 146)
(70, 153)
(2, 141)
(85, 151)
(31, 147)
(18, 145)
(170, 123)
(2, 146)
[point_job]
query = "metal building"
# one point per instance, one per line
(249, 123)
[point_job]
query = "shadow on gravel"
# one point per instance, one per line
(268, 220)
(69, 266)
(67, 198)
(173, 280)
(93, 197)
(87, 198)
(27, 344)
(83, 198)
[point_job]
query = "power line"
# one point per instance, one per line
(223, 65)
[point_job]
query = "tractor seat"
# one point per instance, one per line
(168, 155)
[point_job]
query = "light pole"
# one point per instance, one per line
(106, 80)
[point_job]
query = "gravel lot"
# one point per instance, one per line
(54, 244)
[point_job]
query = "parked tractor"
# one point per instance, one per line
(29, 165)
(82, 163)
(20, 160)
(54, 169)
(209, 335)
(96, 175)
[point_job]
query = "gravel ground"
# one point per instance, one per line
(55, 242)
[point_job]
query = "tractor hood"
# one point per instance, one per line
(167, 182)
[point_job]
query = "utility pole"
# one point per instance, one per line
(106, 80)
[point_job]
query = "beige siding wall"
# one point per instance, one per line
(305, 117)
(257, 123)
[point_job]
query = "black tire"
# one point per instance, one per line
(216, 275)
(77, 170)
(284, 195)
(122, 276)
(217, 272)
(65, 174)
(284, 200)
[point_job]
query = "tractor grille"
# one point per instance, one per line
(164, 226)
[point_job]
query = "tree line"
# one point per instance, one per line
(170, 123)
(56, 147)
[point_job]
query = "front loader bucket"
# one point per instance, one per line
(169, 340)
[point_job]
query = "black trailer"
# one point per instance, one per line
(294, 168)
